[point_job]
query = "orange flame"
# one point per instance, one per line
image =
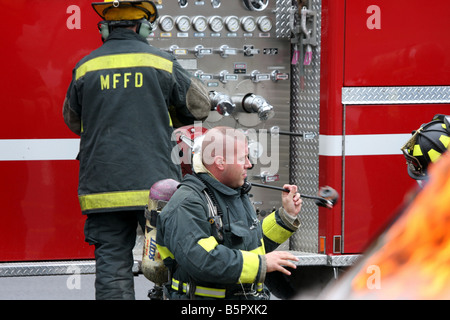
(414, 258)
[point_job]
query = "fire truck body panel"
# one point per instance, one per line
(381, 78)
(374, 77)
(40, 222)
(372, 198)
(40, 211)
(396, 43)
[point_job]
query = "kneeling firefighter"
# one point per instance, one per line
(209, 236)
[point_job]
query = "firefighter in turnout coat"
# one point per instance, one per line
(209, 235)
(124, 100)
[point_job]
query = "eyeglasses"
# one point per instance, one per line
(413, 163)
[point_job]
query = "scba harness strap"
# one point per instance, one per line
(255, 290)
(214, 213)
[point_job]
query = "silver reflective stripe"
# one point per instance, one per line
(210, 292)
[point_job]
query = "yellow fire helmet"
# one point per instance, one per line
(126, 10)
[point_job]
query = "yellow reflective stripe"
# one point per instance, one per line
(434, 155)
(126, 60)
(417, 151)
(445, 140)
(208, 243)
(164, 252)
(170, 121)
(274, 231)
(260, 250)
(113, 199)
(199, 290)
(250, 267)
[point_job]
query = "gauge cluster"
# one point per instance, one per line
(234, 47)
(215, 24)
(188, 18)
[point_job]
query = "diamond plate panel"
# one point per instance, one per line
(343, 260)
(282, 29)
(46, 268)
(316, 259)
(395, 95)
(310, 259)
(304, 157)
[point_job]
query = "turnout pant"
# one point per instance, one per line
(114, 235)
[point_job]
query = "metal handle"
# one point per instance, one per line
(326, 202)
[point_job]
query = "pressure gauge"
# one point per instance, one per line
(166, 23)
(264, 24)
(216, 23)
(200, 23)
(249, 24)
(232, 23)
(183, 23)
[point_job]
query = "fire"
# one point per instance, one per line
(414, 257)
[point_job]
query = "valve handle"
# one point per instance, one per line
(256, 5)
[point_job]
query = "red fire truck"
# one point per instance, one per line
(348, 80)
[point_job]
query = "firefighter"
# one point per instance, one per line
(209, 235)
(124, 100)
(426, 146)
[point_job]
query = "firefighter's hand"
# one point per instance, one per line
(277, 260)
(292, 203)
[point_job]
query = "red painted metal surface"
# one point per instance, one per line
(376, 185)
(38, 60)
(330, 220)
(41, 218)
(367, 43)
(396, 43)
(331, 66)
(331, 119)
(390, 119)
